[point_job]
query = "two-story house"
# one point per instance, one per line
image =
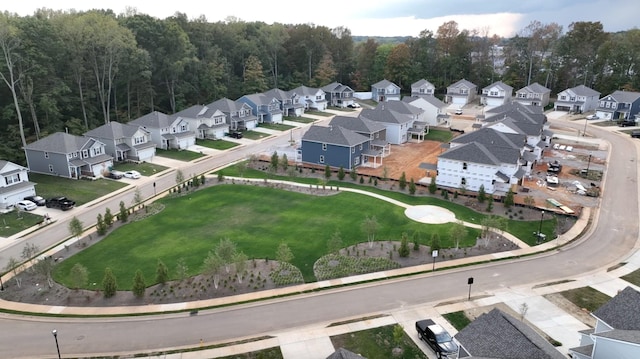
(311, 97)
(334, 146)
(397, 124)
(617, 330)
(533, 95)
(422, 88)
(167, 131)
(620, 105)
(377, 133)
(14, 184)
(577, 99)
(239, 115)
(435, 111)
(125, 142)
(385, 90)
(290, 104)
(207, 123)
(65, 155)
(461, 93)
(496, 94)
(338, 95)
(266, 108)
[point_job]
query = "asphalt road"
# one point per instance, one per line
(608, 242)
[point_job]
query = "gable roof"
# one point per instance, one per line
(259, 99)
(476, 152)
(514, 106)
(384, 84)
(490, 138)
(421, 83)
(498, 335)
(226, 105)
(342, 353)
(621, 312)
(625, 96)
(155, 119)
(4, 164)
(583, 90)
(336, 87)
(334, 135)
(402, 107)
(61, 142)
(385, 115)
(280, 95)
(307, 91)
(357, 124)
(430, 99)
(114, 130)
(463, 82)
(501, 85)
(534, 88)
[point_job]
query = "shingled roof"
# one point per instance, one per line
(114, 130)
(621, 312)
(334, 135)
(61, 142)
(357, 124)
(342, 353)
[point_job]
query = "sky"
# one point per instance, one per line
(374, 17)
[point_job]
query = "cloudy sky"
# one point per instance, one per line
(375, 17)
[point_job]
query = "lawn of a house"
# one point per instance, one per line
(633, 277)
(254, 135)
(379, 343)
(319, 113)
(217, 144)
(438, 135)
(276, 126)
(183, 155)
(17, 221)
(586, 297)
(81, 191)
(301, 119)
(192, 225)
(145, 168)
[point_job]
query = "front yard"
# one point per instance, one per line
(81, 191)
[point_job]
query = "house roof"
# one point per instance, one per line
(385, 115)
(430, 99)
(498, 335)
(384, 84)
(490, 138)
(534, 88)
(4, 164)
(514, 106)
(342, 353)
(629, 336)
(154, 119)
(307, 91)
(280, 95)
(621, 312)
(400, 107)
(357, 124)
(583, 90)
(259, 99)
(501, 85)
(421, 83)
(625, 96)
(334, 135)
(61, 142)
(226, 105)
(194, 111)
(477, 152)
(114, 130)
(336, 87)
(463, 82)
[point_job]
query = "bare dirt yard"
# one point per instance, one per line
(406, 158)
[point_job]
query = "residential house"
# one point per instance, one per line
(207, 123)
(533, 95)
(486, 157)
(398, 120)
(125, 142)
(311, 98)
(422, 88)
(342, 353)
(578, 99)
(71, 156)
(385, 90)
(617, 330)
(290, 104)
(334, 146)
(338, 95)
(496, 94)
(266, 108)
(498, 335)
(620, 105)
(435, 111)
(167, 131)
(461, 93)
(239, 115)
(15, 185)
(377, 133)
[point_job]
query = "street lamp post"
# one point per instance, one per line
(55, 336)
(540, 228)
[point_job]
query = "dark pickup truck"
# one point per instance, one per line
(63, 203)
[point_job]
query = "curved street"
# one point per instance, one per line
(610, 241)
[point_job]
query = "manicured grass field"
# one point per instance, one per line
(81, 191)
(217, 144)
(17, 221)
(586, 297)
(254, 135)
(179, 155)
(276, 126)
(439, 135)
(320, 113)
(256, 219)
(379, 343)
(633, 277)
(145, 168)
(301, 119)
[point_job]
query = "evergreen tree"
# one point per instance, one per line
(139, 285)
(403, 251)
(353, 174)
(482, 195)
(412, 187)
(508, 199)
(341, 173)
(162, 272)
(403, 181)
(327, 172)
(432, 186)
(109, 285)
(108, 217)
(124, 213)
(489, 204)
(284, 162)
(101, 227)
(274, 161)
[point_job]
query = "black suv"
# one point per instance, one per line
(627, 123)
(63, 203)
(236, 134)
(438, 339)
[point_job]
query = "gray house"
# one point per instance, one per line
(577, 99)
(267, 108)
(617, 331)
(208, 123)
(498, 335)
(65, 155)
(338, 95)
(422, 88)
(385, 90)
(167, 131)
(461, 93)
(14, 184)
(312, 97)
(239, 115)
(334, 146)
(620, 105)
(377, 133)
(534, 95)
(290, 104)
(125, 142)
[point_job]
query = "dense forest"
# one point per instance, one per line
(73, 71)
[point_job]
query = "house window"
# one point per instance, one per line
(464, 165)
(421, 90)
(377, 134)
(324, 146)
(50, 168)
(563, 97)
(493, 93)
(361, 147)
(356, 161)
(12, 179)
(463, 181)
(85, 153)
(321, 159)
(97, 151)
(46, 155)
(353, 150)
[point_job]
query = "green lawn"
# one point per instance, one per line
(343, 109)
(379, 343)
(276, 126)
(633, 277)
(145, 168)
(192, 225)
(217, 144)
(319, 113)
(586, 297)
(271, 353)
(301, 119)
(254, 135)
(459, 320)
(17, 221)
(179, 155)
(81, 191)
(439, 135)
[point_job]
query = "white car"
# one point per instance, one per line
(592, 117)
(26, 205)
(459, 111)
(132, 174)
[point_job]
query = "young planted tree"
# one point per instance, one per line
(139, 286)
(353, 174)
(482, 195)
(492, 225)
(529, 201)
(457, 232)
(433, 187)
(43, 268)
(179, 177)
(162, 272)
(284, 254)
(182, 270)
(124, 213)
(403, 251)
(370, 226)
(435, 242)
(225, 250)
(211, 267)
(341, 173)
(79, 276)
(109, 284)
(403, 181)
(412, 187)
(284, 162)
(29, 251)
(327, 172)
(108, 217)
(14, 266)
(240, 262)
(101, 227)
(274, 161)
(509, 199)
(334, 243)
(75, 227)
(137, 197)
(489, 204)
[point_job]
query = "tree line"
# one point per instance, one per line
(73, 71)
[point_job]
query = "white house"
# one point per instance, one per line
(577, 99)
(397, 124)
(496, 94)
(167, 131)
(14, 185)
(208, 123)
(422, 88)
(435, 111)
(533, 95)
(385, 90)
(312, 97)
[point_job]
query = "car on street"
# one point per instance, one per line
(25, 205)
(62, 203)
(459, 111)
(437, 338)
(132, 174)
(592, 117)
(38, 200)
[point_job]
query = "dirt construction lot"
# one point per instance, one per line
(406, 158)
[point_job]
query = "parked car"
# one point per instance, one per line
(354, 105)
(38, 200)
(115, 175)
(236, 134)
(26, 205)
(459, 111)
(635, 134)
(592, 117)
(62, 203)
(438, 338)
(132, 174)
(627, 123)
